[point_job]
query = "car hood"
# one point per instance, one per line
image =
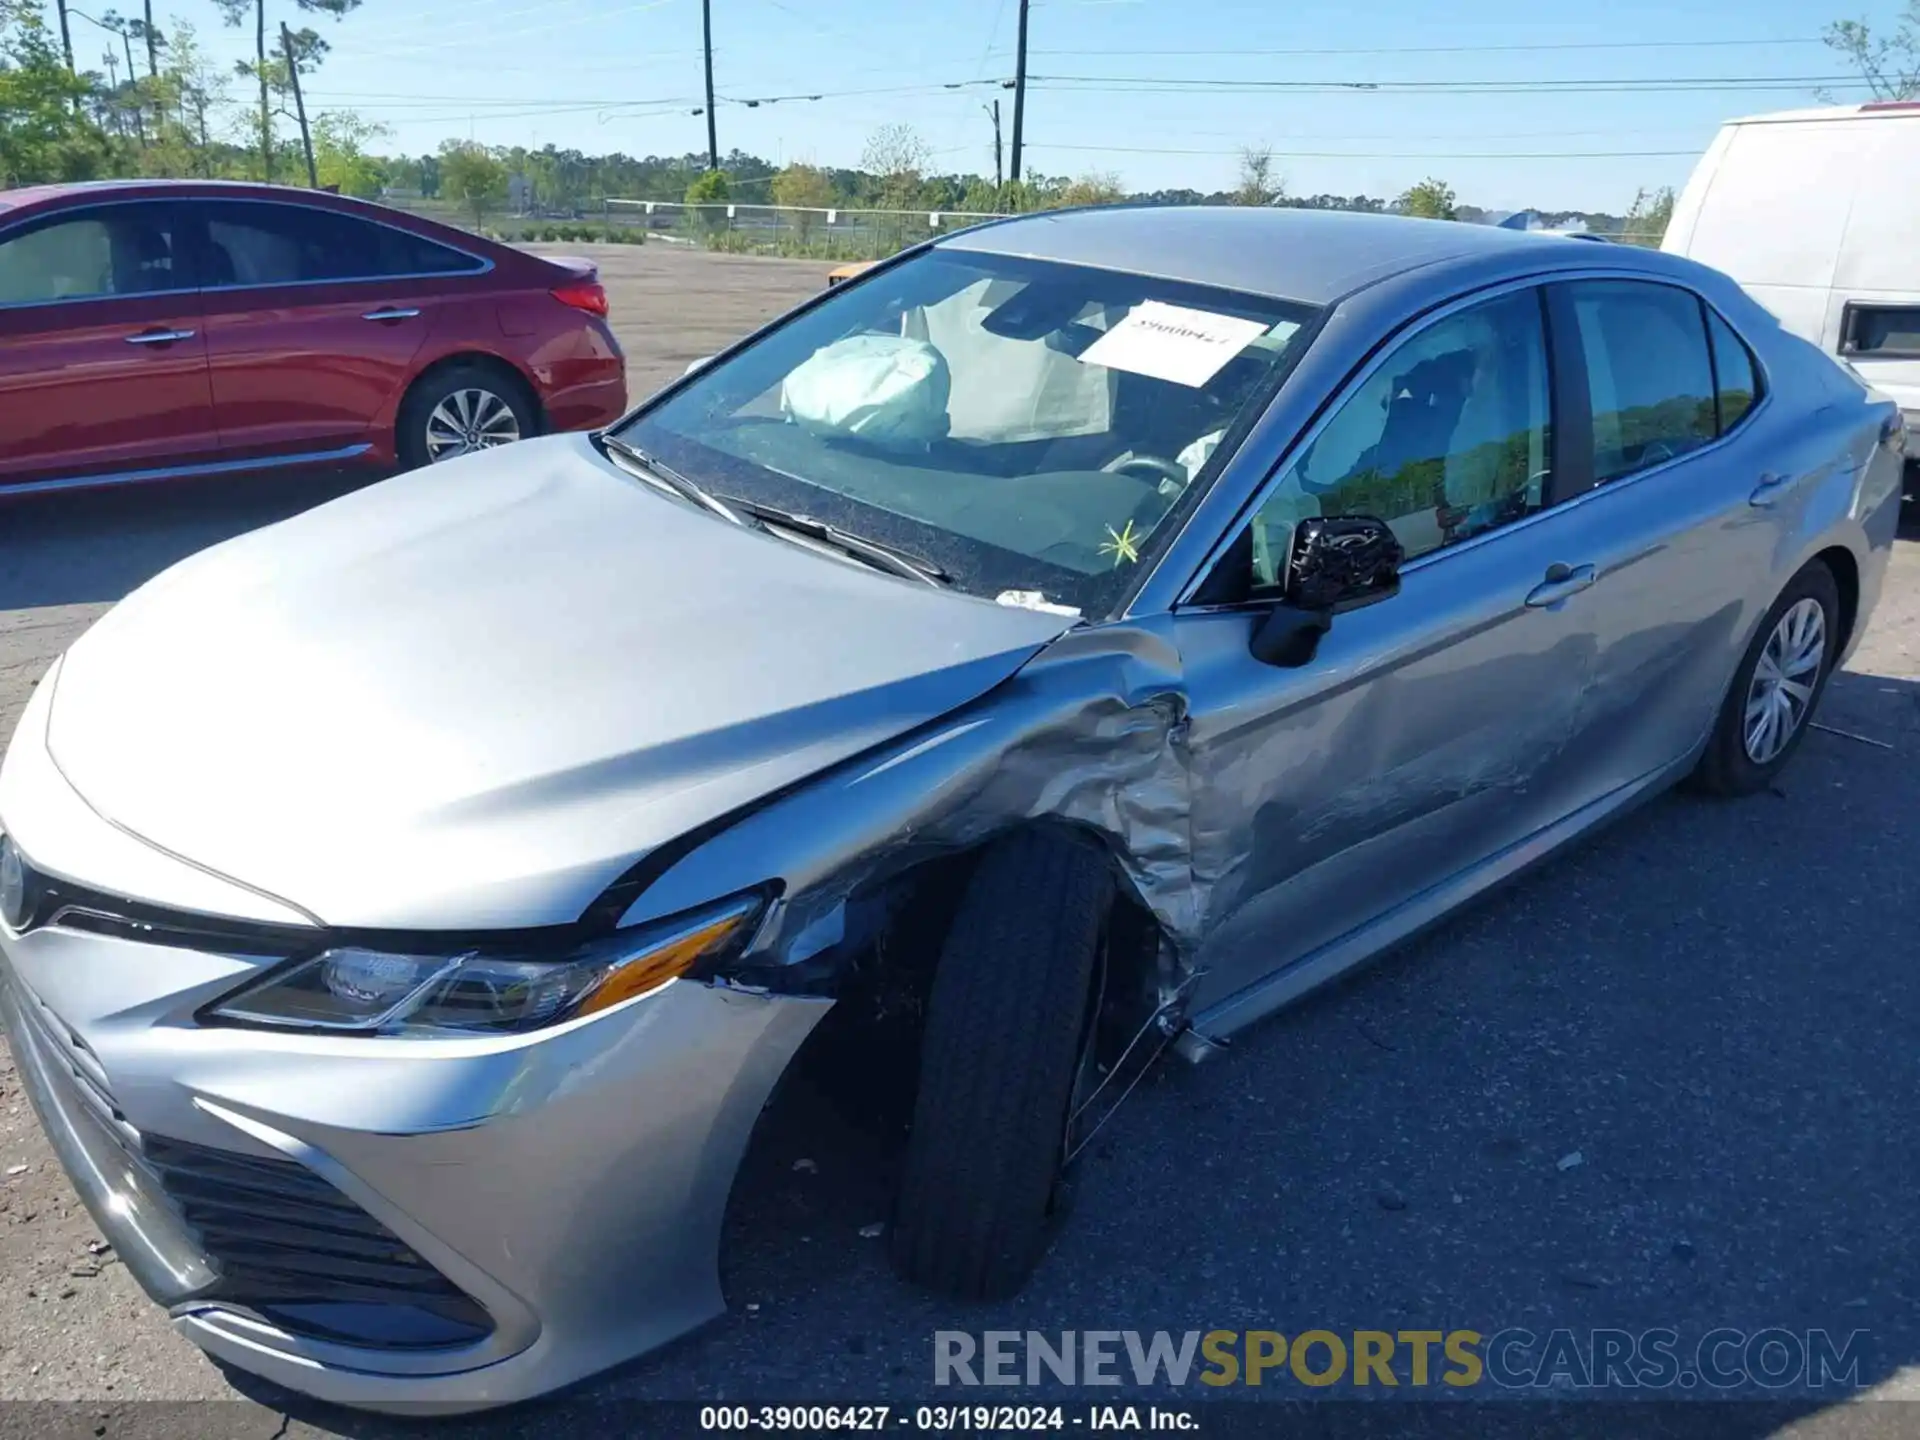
(473, 695)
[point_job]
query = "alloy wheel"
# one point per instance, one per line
(469, 420)
(1781, 693)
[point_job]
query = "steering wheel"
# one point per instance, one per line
(1149, 465)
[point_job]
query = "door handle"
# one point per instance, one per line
(1561, 581)
(391, 312)
(159, 337)
(1770, 489)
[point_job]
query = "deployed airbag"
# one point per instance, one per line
(886, 389)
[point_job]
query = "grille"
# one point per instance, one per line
(291, 1247)
(77, 1063)
(286, 1244)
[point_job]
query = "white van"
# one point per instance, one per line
(1815, 213)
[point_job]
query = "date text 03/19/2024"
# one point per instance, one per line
(811, 1419)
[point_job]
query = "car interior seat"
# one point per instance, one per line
(142, 260)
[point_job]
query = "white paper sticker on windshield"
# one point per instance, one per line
(1171, 342)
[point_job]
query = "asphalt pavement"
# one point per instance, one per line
(1671, 1079)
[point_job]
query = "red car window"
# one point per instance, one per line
(276, 244)
(113, 250)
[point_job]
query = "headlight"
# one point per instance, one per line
(376, 992)
(13, 886)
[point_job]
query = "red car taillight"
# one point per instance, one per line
(587, 295)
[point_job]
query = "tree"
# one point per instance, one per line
(1889, 64)
(1648, 218)
(340, 140)
(1431, 199)
(1258, 184)
(1100, 187)
(309, 50)
(803, 189)
(44, 135)
(980, 197)
(897, 158)
(709, 187)
(472, 176)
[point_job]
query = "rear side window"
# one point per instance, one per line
(267, 244)
(1649, 374)
(1882, 332)
(116, 250)
(1736, 377)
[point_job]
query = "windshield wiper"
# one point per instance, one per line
(872, 552)
(662, 477)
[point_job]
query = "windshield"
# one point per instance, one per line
(1028, 429)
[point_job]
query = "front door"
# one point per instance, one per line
(1431, 729)
(103, 366)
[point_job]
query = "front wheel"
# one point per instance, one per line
(1775, 690)
(462, 410)
(1005, 1031)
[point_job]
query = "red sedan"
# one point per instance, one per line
(155, 329)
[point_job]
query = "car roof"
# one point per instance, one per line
(48, 196)
(1867, 110)
(1314, 256)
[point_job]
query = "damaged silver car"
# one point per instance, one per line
(1087, 633)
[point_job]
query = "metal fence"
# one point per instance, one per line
(815, 232)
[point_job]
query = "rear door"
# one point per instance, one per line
(1685, 516)
(103, 363)
(313, 318)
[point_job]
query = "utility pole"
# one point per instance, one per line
(1019, 93)
(713, 134)
(299, 106)
(999, 178)
(66, 36)
(153, 44)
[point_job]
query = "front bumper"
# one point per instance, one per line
(556, 1200)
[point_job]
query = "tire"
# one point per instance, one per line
(1729, 766)
(1004, 1029)
(500, 405)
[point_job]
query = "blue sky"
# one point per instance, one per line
(623, 75)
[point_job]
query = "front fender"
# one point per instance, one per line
(1089, 733)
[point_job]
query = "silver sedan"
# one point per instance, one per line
(1083, 635)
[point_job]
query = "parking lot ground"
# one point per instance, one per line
(1669, 1079)
(673, 304)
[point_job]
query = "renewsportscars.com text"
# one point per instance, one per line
(1515, 1358)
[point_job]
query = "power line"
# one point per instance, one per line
(1389, 154)
(1456, 49)
(1146, 84)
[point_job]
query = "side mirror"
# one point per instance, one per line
(1335, 564)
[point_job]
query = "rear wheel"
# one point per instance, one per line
(1006, 1024)
(462, 410)
(1777, 687)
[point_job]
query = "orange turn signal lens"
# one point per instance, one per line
(672, 957)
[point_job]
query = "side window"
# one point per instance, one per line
(1449, 437)
(1648, 373)
(266, 244)
(1882, 332)
(1736, 377)
(405, 253)
(123, 250)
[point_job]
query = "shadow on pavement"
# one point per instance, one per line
(93, 547)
